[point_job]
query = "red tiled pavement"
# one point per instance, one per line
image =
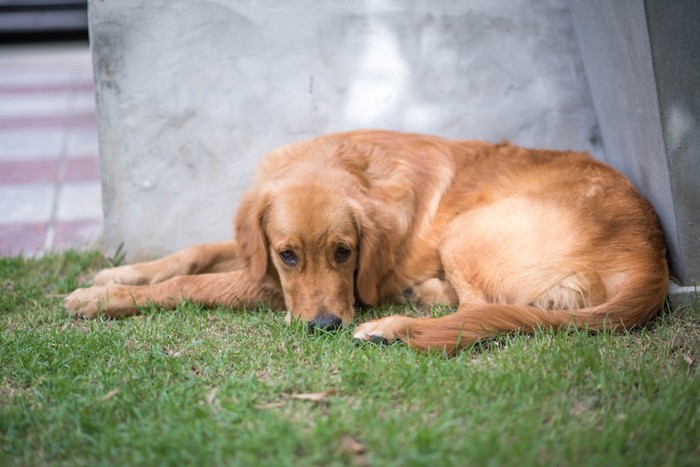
(66, 234)
(75, 169)
(48, 121)
(20, 88)
(49, 167)
(28, 171)
(81, 169)
(22, 238)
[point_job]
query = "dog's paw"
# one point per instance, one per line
(385, 330)
(127, 275)
(87, 303)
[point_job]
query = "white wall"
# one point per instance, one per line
(191, 94)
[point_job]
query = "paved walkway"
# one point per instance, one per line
(50, 197)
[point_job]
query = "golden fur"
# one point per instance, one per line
(514, 238)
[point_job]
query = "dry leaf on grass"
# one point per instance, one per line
(314, 396)
(211, 396)
(311, 397)
(351, 446)
(271, 405)
(109, 395)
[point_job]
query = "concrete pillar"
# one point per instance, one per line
(642, 60)
(191, 94)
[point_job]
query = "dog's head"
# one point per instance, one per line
(311, 233)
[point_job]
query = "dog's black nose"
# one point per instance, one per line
(325, 322)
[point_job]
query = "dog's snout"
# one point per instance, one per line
(326, 322)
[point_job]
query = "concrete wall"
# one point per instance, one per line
(674, 33)
(643, 63)
(191, 94)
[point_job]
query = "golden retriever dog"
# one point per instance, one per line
(515, 239)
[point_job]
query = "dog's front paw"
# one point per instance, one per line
(87, 303)
(387, 329)
(120, 275)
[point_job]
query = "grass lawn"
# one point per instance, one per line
(223, 387)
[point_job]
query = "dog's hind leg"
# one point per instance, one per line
(232, 289)
(434, 291)
(509, 274)
(198, 259)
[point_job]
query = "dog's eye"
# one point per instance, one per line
(342, 254)
(288, 257)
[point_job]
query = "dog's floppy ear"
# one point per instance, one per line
(250, 232)
(373, 259)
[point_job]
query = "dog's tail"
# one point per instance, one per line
(639, 298)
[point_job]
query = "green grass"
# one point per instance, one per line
(219, 387)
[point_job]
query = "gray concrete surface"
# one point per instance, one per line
(191, 95)
(643, 66)
(674, 33)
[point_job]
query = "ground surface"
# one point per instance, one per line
(50, 196)
(234, 387)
